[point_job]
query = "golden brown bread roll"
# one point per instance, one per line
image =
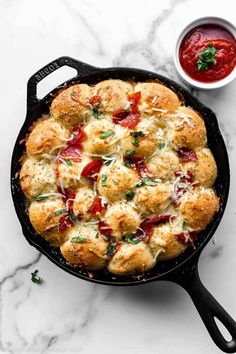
(114, 94)
(156, 99)
(37, 177)
(187, 129)
(164, 244)
(122, 219)
(72, 104)
(153, 199)
(45, 221)
(198, 207)
(164, 165)
(204, 169)
(85, 248)
(46, 138)
(131, 259)
(115, 180)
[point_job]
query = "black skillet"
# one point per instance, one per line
(182, 270)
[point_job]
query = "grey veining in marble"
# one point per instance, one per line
(65, 314)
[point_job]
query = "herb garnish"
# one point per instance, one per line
(104, 135)
(41, 197)
(206, 57)
(35, 278)
(72, 93)
(72, 217)
(78, 239)
(111, 249)
(129, 152)
(97, 234)
(68, 162)
(129, 194)
(184, 225)
(96, 114)
(147, 181)
(103, 180)
(161, 145)
(131, 239)
(136, 135)
(59, 212)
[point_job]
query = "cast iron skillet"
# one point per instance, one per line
(181, 270)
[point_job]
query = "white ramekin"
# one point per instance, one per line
(200, 21)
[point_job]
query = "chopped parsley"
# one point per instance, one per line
(131, 239)
(147, 181)
(78, 239)
(72, 93)
(129, 194)
(206, 57)
(41, 197)
(68, 162)
(97, 234)
(106, 134)
(136, 135)
(72, 217)
(103, 180)
(107, 161)
(96, 113)
(59, 212)
(35, 278)
(129, 152)
(184, 225)
(161, 145)
(111, 249)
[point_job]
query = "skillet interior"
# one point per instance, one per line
(215, 142)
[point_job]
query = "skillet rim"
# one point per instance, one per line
(120, 72)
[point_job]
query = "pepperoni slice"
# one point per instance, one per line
(97, 206)
(92, 169)
(95, 100)
(146, 228)
(65, 223)
(73, 148)
(104, 229)
(186, 155)
(134, 99)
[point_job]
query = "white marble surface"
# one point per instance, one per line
(66, 314)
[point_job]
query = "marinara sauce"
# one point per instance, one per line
(217, 62)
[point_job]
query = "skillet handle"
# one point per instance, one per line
(82, 70)
(209, 309)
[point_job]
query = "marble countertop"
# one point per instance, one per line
(66, 314)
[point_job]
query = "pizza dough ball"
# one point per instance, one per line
(164, 165)
(69, 175)
(114, 94)
(115, 180)
(71, 104)
(97, 142)
(83, 200)
(45, 222)
(122, 219)
(156, 99)
(145, 141)
(90, 253)
(199, 207)
(204, 169)
(152, 199)
(164, 244)
(37, 177)
(46, 138)
(187, 129)
(131, 259)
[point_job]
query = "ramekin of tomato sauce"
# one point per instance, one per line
(205, 53)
